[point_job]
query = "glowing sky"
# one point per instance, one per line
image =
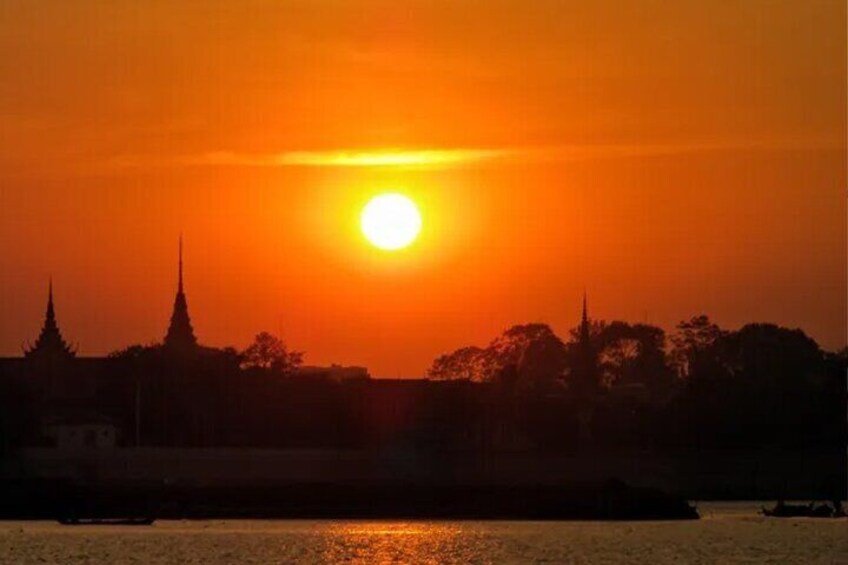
(671, 157)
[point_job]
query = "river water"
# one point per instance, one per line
(727, 533)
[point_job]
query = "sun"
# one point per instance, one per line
(391, 221)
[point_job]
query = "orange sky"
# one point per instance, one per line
(671, 157)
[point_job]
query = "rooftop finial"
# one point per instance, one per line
(181, 264)
(585, 374)
(585, 329)
(50, 310)
(585, 308)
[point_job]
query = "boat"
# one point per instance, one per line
(74, 521)
(811, 510)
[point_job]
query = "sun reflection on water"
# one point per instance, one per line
(396, 542)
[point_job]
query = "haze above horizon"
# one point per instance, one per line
(673, 159)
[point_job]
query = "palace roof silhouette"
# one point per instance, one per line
(179, 338)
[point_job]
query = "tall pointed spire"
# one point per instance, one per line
(51, 313)
(585, 319)
(585, 326)
(50, 341)
(180, 285)
(180, 336)
(585, 373)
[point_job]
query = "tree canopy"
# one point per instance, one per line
(269, 353)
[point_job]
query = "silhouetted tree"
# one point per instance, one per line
(768, 353)
(467, 363)
(627, 354)
(270, 353)
(535, 354)
(761, 385)
(635, 355)
(596, 331)
(696, 347)
(538, 355)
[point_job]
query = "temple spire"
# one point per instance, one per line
(51, 313)
(585, 375)
(585, 308)
(180, 284)
(50, 341)
(180, 337)
(585, 329)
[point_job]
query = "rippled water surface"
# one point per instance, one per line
(728, 533)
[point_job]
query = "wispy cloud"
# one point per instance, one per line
(440, 158)
(353, 158)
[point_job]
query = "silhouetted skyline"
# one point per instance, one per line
(180, 335)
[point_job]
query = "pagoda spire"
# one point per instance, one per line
(180, 284)
(584, 322)
(50, 341)
(51, 312)
(180, 336)
(585, 371)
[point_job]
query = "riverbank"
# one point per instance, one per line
(607, 500)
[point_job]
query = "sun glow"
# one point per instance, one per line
(391, 221)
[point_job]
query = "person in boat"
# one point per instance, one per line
(777, 510)
(821, 511)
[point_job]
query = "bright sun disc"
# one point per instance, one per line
(391, 221)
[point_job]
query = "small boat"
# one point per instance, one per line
(782, 510)
(74, 521)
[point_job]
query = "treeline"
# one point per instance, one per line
(607, 386)
(761, 385)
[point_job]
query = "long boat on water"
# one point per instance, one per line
(73, 521)
(811, 510)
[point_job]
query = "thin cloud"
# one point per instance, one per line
(432, 158)
(440, 158)
(352, 158)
